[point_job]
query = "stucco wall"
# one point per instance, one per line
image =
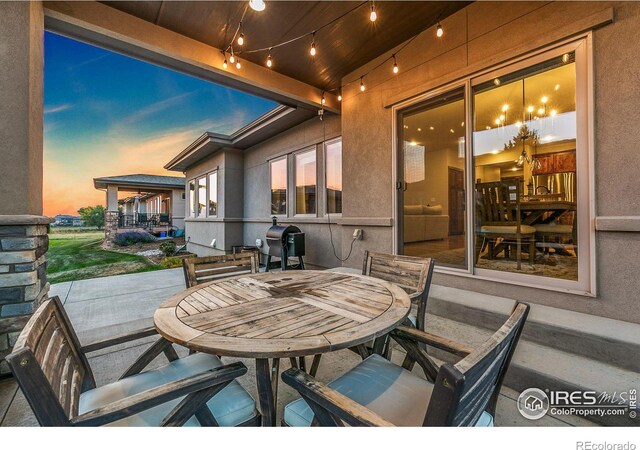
(478, 37)
(257, 197)
(21, 107)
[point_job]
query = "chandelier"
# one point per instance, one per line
(525, 134)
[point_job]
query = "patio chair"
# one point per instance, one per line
(210, 268)
(498, 217)
(380, 393)
(413, 275)
(54, 374)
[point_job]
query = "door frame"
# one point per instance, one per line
(398, 167)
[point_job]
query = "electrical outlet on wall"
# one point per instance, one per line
(358, 234)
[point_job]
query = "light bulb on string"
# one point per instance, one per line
(439, 30)
(322, 100)
(395, 64)
(312, 51)
(257, 5)
(238, 65)
(224, 64)
(362, 88)
(269, 60)
(232, 58)
(241, 39)
(340, 94)
(373, 15)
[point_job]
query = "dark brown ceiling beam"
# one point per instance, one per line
(107, 27)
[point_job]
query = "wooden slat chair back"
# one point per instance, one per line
(463, 391)
(498, 215)
(49, 365)
(411, 273)
(199, 270)
(495, 205)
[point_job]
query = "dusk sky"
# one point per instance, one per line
(108, 114)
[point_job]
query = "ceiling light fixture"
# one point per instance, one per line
(395, 64)
(340, 94)
(232, 58)
(269, 60)
(362, 88)
(323, 100)
(257, 5)
(373, 16)
(439, 30)
(238, 65)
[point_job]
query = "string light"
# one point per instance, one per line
(373, 16)
(323, 100)
(257, 5)
(269, 61)
(395, 64)
(340, 94)
(224, 64)
(362, 88)
(232, 58)
(312, 51)
(241, 39)
(439, 30)
(238, 65)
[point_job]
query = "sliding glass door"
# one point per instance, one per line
(431, 180)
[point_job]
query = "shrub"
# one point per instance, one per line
(171, 262)
(168, 248)
(133, 237)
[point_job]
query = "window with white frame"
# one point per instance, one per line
(213, 194)
(306, 186)
(278, 174)
(192, 198)
(333, 176)
(202, 197)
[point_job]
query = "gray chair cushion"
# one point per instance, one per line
(395, 394)
(230, 407)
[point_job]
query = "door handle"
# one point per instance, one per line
(405, 187)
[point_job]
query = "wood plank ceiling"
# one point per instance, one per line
(342, 47)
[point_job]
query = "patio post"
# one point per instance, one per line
(111, 213)
(23, 229)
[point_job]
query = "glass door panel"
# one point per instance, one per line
(432, 186)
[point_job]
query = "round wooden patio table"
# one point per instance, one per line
(281, 315)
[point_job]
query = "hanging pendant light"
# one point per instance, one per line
(439, 30)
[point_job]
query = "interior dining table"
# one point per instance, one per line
(274, 315)
(539, 212)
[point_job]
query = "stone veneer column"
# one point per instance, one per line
(23, 275)
(110, 225)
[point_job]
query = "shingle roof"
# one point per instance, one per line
(141, 179)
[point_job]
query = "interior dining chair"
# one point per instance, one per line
(52, 369)
(498, 217)
(203, 269)
(379, 393)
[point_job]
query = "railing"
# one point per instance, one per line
(144, 220)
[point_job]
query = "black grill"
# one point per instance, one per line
(285, 241)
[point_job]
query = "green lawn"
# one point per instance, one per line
(77, 256)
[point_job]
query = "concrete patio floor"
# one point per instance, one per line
(101, 307)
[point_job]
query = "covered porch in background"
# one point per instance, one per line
(157, 204)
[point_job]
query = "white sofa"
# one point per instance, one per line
(425, 223)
